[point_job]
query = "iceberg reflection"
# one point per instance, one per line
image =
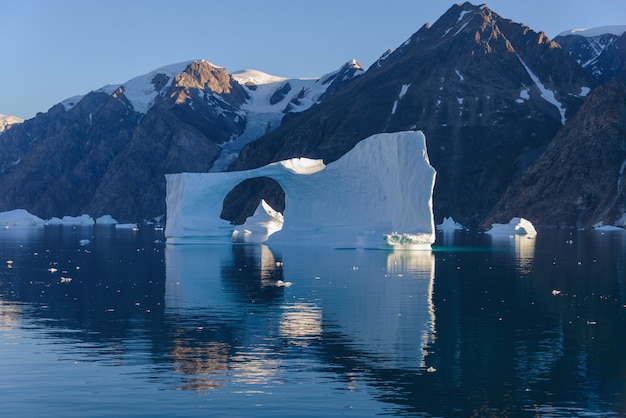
(375, 304)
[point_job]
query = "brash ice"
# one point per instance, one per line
(377, 195)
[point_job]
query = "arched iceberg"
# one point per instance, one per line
(377, 195)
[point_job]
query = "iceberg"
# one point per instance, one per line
(517, 226)
(82, 220)
(261, 225)
(19, 217)
(449, 224)
(378, 195)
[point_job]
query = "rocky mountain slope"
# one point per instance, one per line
(601, 51)
(580, 180)
(488, 93)
(107, 152)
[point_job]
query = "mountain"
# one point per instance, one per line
(580, 180)
(601, 51)
(489, 94)
(492, 97)
(6, 121)
(107, 152)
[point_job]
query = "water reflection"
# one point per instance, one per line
(378, 301)
(473, 328)
(522, 246)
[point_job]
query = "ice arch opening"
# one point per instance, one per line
(377, 195)
(244, 199)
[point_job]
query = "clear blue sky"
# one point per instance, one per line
(55, 49)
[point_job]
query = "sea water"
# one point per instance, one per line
(99, 321)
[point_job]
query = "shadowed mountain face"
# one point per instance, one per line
(489, 94)
(602, 55)
(581, 179)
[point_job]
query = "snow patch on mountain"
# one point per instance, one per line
(6, 121)
(617, 30)
(546, 94)
(141, 92)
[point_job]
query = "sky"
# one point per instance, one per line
(52, 50)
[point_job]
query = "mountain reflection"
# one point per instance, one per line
(476, 327)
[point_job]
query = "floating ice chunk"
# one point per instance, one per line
(449, 224)
(259, 226)
(601, 227)
(517, 226)
(126, 226)
(84, 242)
(19, 217)
(83, 220)
(106, 220)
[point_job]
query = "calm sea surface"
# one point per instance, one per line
(124, 325)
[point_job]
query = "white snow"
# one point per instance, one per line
(19, 218)
(141, 92)
(403, 90)
(461, 78)
(462, 14)
(517, 226)
(546, 94)
(7, 120)
(524, 94)
(328, 206)
(449, 224)
(394, 107)
(263, 116)
(584, 91)
(617, 30)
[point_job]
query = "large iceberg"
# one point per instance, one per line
(377, 195)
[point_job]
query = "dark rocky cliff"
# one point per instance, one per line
(581, 178)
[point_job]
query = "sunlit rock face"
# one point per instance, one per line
(377, 195)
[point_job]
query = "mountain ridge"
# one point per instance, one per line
(490, 95)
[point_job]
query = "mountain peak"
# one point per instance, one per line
(6, 121)
(617, 30)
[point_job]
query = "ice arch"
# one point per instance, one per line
(378, 194)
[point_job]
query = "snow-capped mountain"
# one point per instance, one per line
(6, 121)
(107, 152)
(489, 94)
(601, 50)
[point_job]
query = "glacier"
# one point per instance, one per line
(378, 195)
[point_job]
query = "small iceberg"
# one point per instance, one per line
(131, 226)
(601, 227)
(517, 226)
(106, 220)
(19, 217)
(83, 220)
(449, 224)
(260, 226)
